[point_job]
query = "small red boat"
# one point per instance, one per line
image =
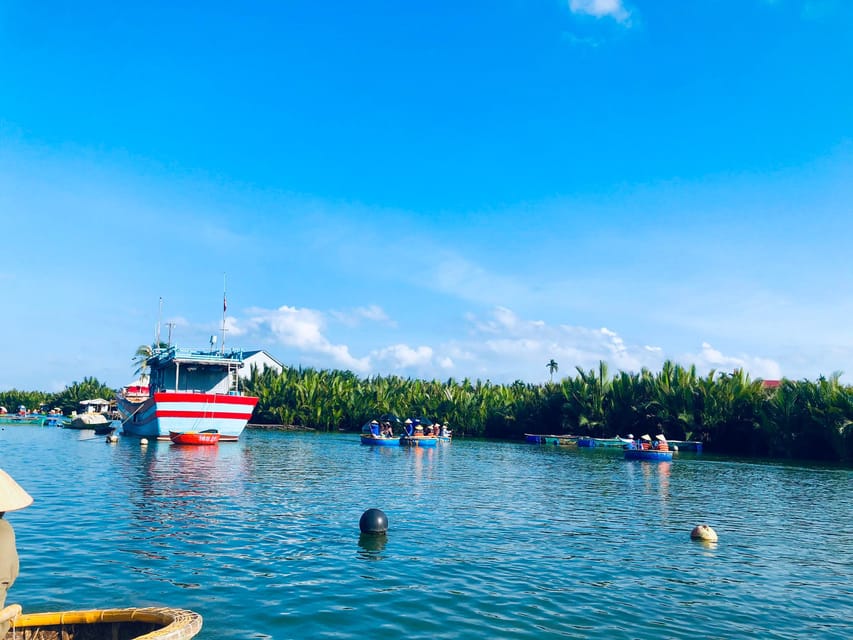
(211, 436)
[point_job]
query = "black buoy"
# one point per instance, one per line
(373, 521)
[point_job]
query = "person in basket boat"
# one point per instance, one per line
(645, 441)
(660, 443)
(12, 498)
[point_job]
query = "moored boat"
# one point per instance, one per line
(686, 445)
(97, 421)
(561, 440)
(616, 443)
(211, 436)
(106, 624)
(21, 417)
(189, 390)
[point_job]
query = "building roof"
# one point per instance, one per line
(249, 354)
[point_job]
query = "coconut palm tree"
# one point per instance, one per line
(553, 367)
(143, 354)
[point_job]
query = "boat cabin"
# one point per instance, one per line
(187, 370)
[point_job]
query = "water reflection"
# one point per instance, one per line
(371, 545)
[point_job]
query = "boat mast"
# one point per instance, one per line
(159, 318)
(224, 308)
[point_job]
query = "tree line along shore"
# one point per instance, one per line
(729, 413)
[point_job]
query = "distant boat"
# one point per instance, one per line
(208, 437)
(615, 443)
(21, 417)
(562, 440)
(685, 445)
(96, 421)
(106, 624)
(189, 390)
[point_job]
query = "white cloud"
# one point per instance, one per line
(601, 8)
(302, 329)
(502, 346)
(711, 358)
(402, 356)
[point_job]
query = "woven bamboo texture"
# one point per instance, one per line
(150, 623)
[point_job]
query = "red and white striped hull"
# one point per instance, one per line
(169, 411)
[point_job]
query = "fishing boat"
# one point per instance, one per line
(561, 440)
(211, 436)
(21, 417)
(189, 390)
(686, 445)
(615, 443)
(55, 420)
(652, 455)
(104, 624)
(96, 421)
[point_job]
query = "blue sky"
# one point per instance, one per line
(429, 189)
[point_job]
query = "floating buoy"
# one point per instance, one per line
(143, 441)
(704, 533)
(675, 448)
(373, 521)
(112, 438)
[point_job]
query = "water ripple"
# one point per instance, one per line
(486, 539)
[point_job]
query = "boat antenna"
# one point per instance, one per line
(159, 317)
(224, 309)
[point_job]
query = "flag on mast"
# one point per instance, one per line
(224, 304)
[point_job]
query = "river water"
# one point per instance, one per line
(485, 539)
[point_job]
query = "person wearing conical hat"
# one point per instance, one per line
(645, 441)
(12, 498)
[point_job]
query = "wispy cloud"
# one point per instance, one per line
(371, 313)
(601, 9)
(710, 358)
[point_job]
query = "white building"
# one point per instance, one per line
(260, 359)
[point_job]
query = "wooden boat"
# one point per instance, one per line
(97, 421)
(564, 440)
(209, 436)
(652, 455)
(613, 443)
(418, 441)
(373, 440)
(105, 624)
(19, 419)
(685, 445)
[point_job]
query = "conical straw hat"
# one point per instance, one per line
(12, 495)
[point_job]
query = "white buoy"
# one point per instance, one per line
(112, 438)
(704, 533)
(143, 441)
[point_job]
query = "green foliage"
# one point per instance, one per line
(728, 413)
(67, 400)
(32, 400)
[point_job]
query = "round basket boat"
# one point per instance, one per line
(108, 624)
